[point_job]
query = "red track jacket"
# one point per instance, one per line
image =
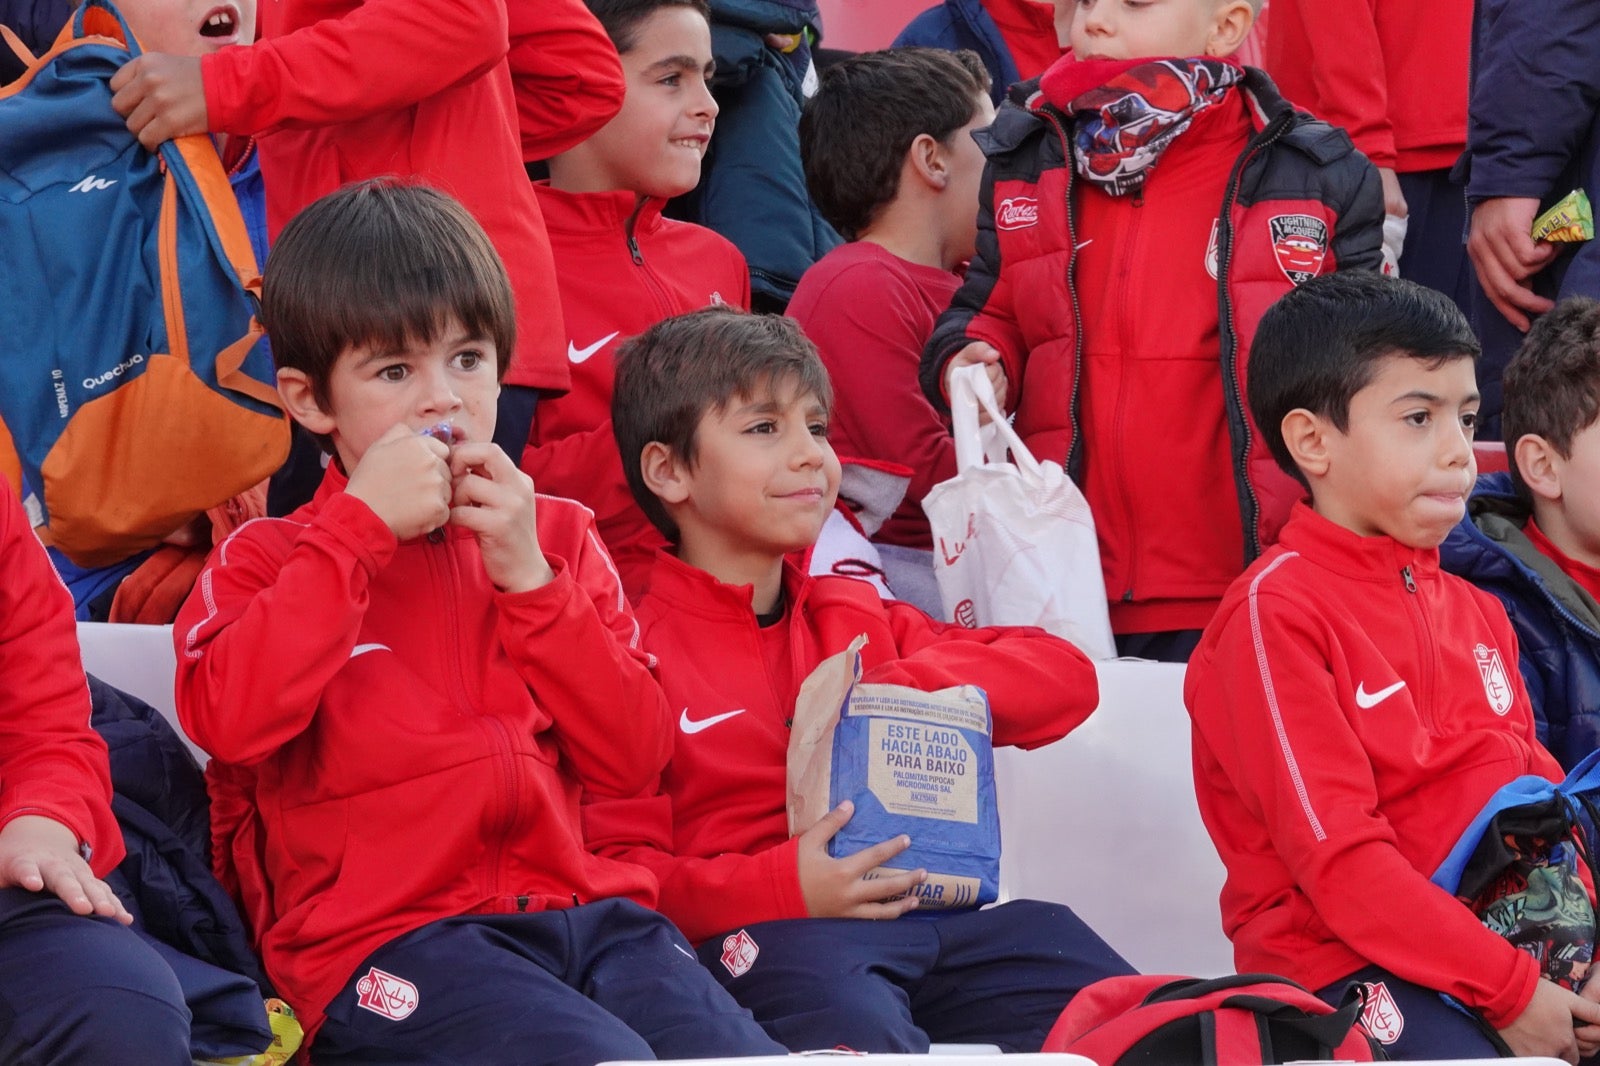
(623, 269)
(1353, 709)
(395, 742)
(718, 834)
(51, 763)
(341, 90)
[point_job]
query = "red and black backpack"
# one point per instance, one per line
(1228, 1021)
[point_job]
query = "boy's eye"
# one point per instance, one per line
(819, 429)
(763, 427)
(1469, 421)
(470, 359)
(393, 372)
(1418, 418)
(671, 81)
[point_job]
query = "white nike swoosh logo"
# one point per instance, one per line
(1368, 700)
(690, 726)
(579, 355)
(362, 649)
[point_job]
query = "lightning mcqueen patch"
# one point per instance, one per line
(1301, 244)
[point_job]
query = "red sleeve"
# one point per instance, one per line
(1039, 686)
(1328, 58)
(379, 56)
(1297, 766)
(566, 74)
(264, 633)
(702, 897)
(865, 323)
(51, 762)
(576, 643)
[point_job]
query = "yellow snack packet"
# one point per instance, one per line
(1571, 219)
(286, 1039)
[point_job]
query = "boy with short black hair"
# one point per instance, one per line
(891, 163)
(1146, 199)
(1532, 535)
(406, 685)
(1353, 705)
(724, 419)
(621, 265)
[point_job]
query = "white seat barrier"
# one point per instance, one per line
(1105, 821)
(140, 661)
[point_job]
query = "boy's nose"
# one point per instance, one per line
(704, 104)
(439, 395)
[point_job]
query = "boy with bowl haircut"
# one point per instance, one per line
(1146, 199)
(620, 264)
(1531, 536)
(724, 418)
(1353, 705)
(406, 685)
(891, 164)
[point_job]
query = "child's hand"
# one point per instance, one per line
(1505, 255)
(495, 501)
(162, 96)
(979, 352)
(1589, 1035)
(1546, 1027)
(39, 853)
(837, 888)
(405, 479)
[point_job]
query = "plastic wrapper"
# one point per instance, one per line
(1571, 219)
(918, 763)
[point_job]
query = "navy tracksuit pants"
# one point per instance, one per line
(998, 976)
(83, 990)
(1416, 1023)
(607, 980)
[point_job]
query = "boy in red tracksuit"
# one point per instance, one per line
(406, 684)
(1146, 200)
(621, 266)
(75, 986)
(724, 418)
(339, 91)
(1354, 706)
(891, 163)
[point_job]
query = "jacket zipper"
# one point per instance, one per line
(1071, 459)
(1430, 655)
(629, 227)
(1230, 339)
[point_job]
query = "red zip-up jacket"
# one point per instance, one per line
(717, 835)
(1292, 200)
(394, 741)
(1393, 73)
(1353, 708)
(341, 90)
(623, 269)
(52, 763)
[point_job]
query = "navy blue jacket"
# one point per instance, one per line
(957, 24)
(1557, 622)
(1534, 124)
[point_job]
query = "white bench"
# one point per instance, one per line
(1104, 821)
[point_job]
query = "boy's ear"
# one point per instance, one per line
(300, 400)
(1229, 27)
(1539, 464)
(926, 160)
(664, 473)
(1306, 437)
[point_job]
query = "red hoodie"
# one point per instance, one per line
(394, 741)
(1354, 708)
(623, 269)
(718, 834)
(51, 763)
(341, 90)
(1391, 72)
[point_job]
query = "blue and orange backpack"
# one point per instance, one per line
(136, 387)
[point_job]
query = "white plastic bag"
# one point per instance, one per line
(1013, 541)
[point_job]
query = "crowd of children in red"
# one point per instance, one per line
(498, 736)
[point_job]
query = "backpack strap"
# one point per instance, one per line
(1195, 987)
(18, 49)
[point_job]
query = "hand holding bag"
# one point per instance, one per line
(1013, 541)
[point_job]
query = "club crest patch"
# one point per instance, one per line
(739, 953)
(1016, 212)
(1212, 259)
(1381, 1017)
(1496, 685)
(384, 993)
(1301, 244)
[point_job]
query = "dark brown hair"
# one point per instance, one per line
(622, 18)
(672, 374)
(855, 132)
(1552, 384)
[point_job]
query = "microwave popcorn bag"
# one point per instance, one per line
(912, 762)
